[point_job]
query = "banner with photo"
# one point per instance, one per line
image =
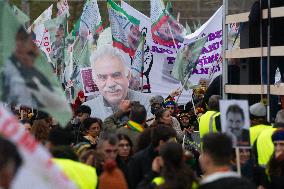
(124, 28)
(37, 171)
(27, 78)
(159, 59)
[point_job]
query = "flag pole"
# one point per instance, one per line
(142, 67)
(173, 38)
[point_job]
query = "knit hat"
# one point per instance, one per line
(112, 177)
(169, 101)
(257, 109)
(156, 100)
(278, 135)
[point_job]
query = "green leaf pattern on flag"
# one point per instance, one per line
(186, 61)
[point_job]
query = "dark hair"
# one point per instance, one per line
(83, 109)
(143, 140)
(65, 152)
(159, 113)
(138, 114)
(235, 109)
(219, 147)
(110, 138)
(213, 102)
(121, 136)
(59, 136)
(25, 121)
(9, 152)
(22, 34)
(89, 121)
(175, 172)
(161, 132)
(40, 130)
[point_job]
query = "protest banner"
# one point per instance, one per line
(89, 86)
(37, 171)
(210, 61)
(160, 59)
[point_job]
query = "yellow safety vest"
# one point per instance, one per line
(84, 176)
(207, 123)
(254, 132)
(265, 146)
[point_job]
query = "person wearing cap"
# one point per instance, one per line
(257, 117)
(276, 163)
(264, 144)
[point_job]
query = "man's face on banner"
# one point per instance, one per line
(111, 78)
(134, 37)
(26, 51)
(235, 122)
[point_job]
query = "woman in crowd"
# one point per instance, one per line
(40, 129)
(169, 170)
(125, 147)
(276, 163)
(163, 116)
(92, 128)
(250, 170)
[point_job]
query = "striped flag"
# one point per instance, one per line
(125, 29)
(165, 29)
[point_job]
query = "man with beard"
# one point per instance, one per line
(112, 78)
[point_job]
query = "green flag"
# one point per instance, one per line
(26, 75)
(124, 28)
(188, 30)
(21, 16)
(186, 61)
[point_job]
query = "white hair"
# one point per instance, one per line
(107, 51)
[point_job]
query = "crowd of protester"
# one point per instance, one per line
(141, 153)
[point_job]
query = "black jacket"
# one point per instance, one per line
(228, 183)
(140, 165)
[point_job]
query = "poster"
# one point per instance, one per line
(89, 86)
(235, 121)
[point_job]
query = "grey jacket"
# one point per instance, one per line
(101, 110)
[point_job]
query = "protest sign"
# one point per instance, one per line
(235, 121)
(89, 86)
